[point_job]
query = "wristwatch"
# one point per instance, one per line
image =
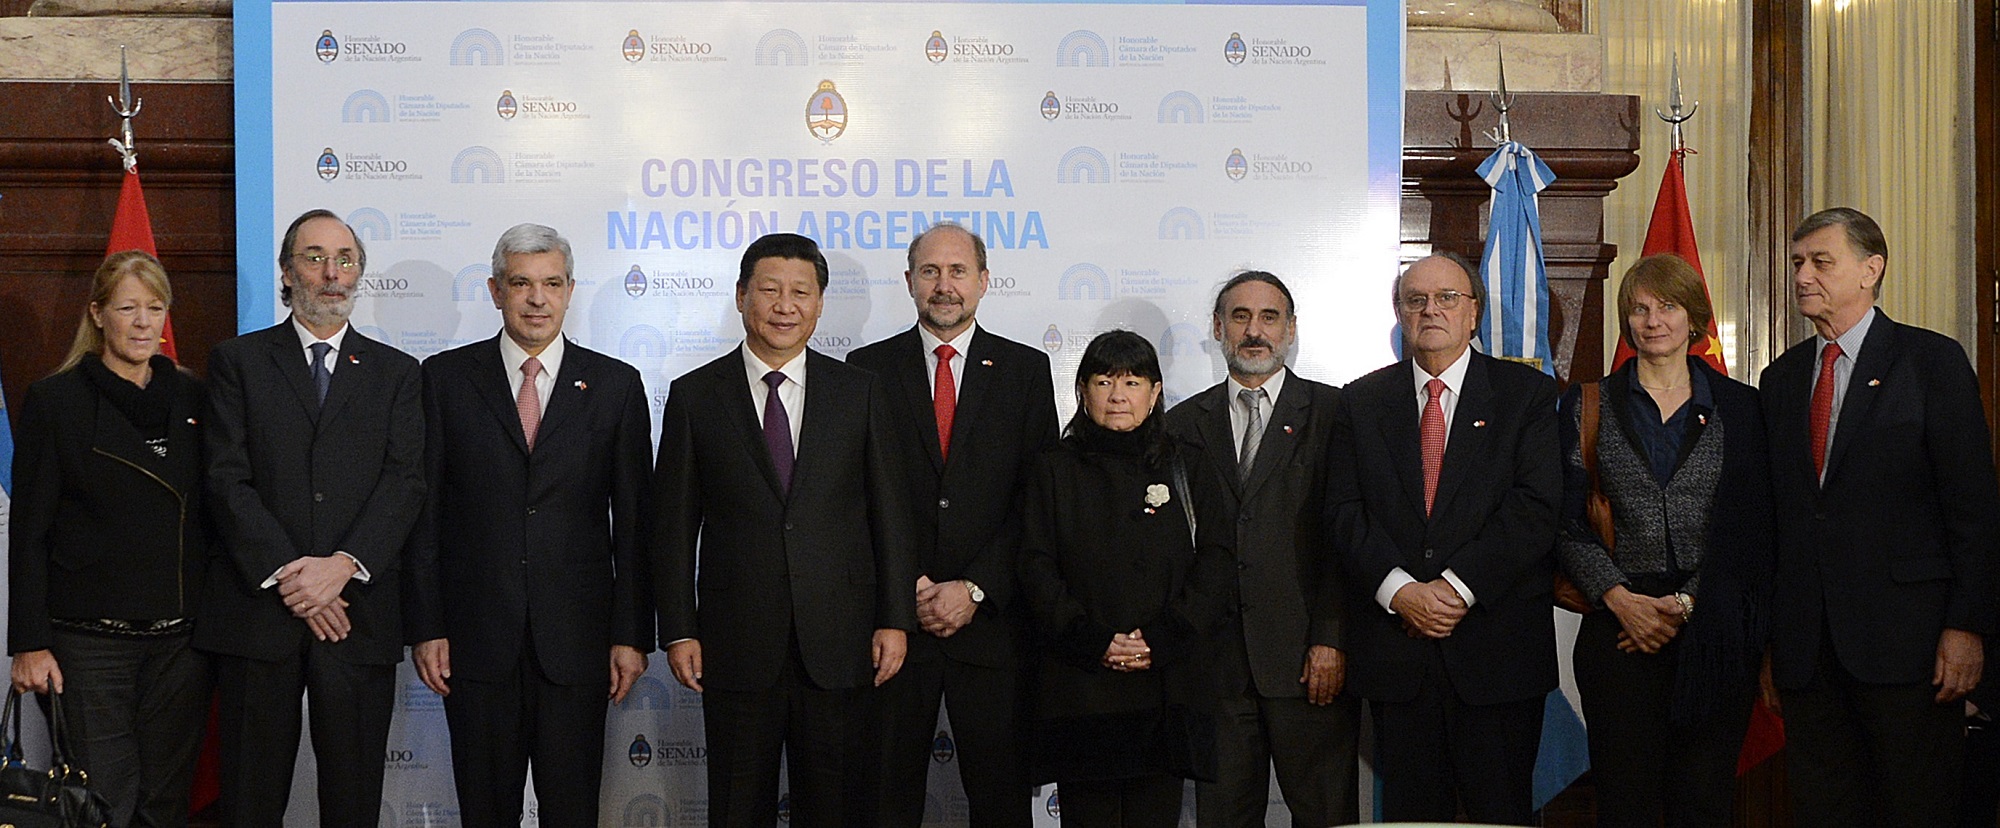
(978, 595)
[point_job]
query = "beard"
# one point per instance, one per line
(1265, 366)
(944, 315)
(322, 311)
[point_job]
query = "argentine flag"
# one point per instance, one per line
(1516, 323)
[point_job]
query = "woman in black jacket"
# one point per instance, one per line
(108, 548)
(1666, 662)
(1127, 572)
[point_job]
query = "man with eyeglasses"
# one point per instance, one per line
(315, 443)
(1444, 494)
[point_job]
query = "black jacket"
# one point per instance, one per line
(101, 527)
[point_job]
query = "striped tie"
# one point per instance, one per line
(1430, 430)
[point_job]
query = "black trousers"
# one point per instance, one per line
(1861, 754)
(987, 723)
(1643, 765)
(1312, 747)
(351, 706)
(1141, 802)
(1435, 753)
(499, 727)
(135, 709)
(818, 732)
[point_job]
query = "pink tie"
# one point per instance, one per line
(944, 399)
(528, 403)
(1430, 431)
(1822, 406)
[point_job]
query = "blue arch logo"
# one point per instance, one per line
(477, 165)
(477, 47)
(1084, 281)
(1083, 48)
(469, 285)
(366, 106)
(370, 224)
(1182, 223)
(647, 811)
(1083, 165)
(642, 341)
(781, 47)
(649, 693)
(1181, 108)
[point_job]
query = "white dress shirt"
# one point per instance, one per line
(1240, 417)
(511, 357)
(958, 343)
(791, 393)
(1454, 383)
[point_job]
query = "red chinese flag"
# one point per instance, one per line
(132, 229)
(1672, 231)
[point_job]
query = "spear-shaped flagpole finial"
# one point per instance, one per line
(1502, 101)
(1674, 105)
(126, 106)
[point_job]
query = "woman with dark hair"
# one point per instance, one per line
(108, 548)
(1126, 570)
(1678, 576)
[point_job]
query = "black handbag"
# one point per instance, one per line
(59, 797)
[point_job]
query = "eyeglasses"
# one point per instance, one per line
(317, 260)
(1444, 300)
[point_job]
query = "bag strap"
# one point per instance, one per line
(1187, 500)
(10, 729)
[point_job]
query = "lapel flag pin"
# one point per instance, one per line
(1874, 382)
(191, 421)
(1288, 429)
(1478, 423)
(582, 386)
(986, 362)
(354, 359)
(1702, 418)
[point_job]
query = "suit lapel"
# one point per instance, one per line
(112, 434)
(1788, 384)
(730, 385)
(355, 368)
(916, 390)
(489, 383)
(1467, 446)
(1878, 352)
(826, 397)
(570, 395)
(1218, 435)
(974, 385)
(288, 356)
(1281, 435)
(1399, 434)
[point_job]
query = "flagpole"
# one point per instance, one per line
(126, 106)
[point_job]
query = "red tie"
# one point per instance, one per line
(1430, 430)
(944, 398)
(528, 403)
(1822, 405)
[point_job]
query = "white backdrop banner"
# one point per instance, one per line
(1120, 160)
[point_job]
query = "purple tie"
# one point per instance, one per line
(778, 430)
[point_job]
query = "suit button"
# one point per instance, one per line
(1242, 566)
(944, 503)
(318, 497)
(1429, 554)
(1819, 516)
(531, 510)
(788, 526)
(1243, 518)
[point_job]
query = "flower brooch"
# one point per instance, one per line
(1156, 496)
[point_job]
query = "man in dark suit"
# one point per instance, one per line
(971, 410)
(525, 571)
(315, 442)
(1280, 668)
(774, 478)
(1887, 523)
(1445, 488)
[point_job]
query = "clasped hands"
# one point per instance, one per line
(1128, 652)
(943, 608)
(310, 587)
(1649, 622)
(1428, 609)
